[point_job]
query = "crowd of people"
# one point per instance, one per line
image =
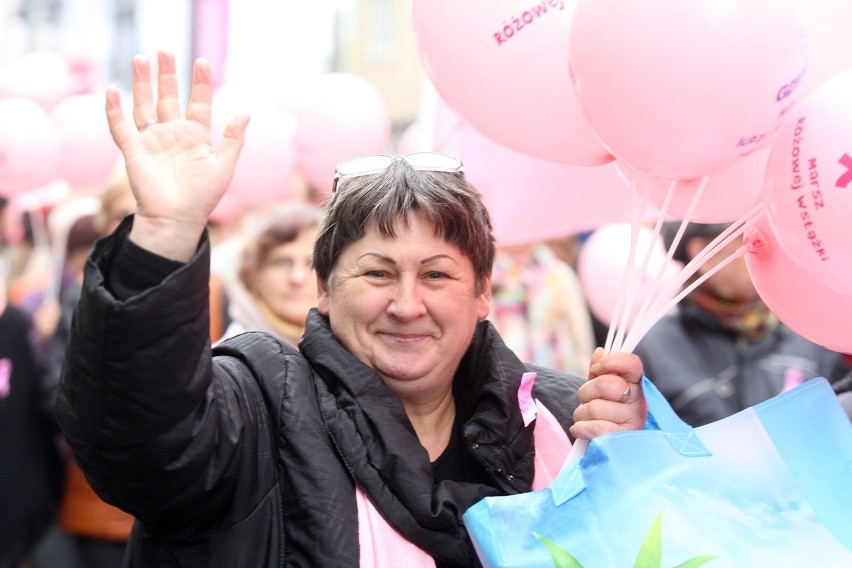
(143, 420)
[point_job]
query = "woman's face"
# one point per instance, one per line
(406, 306)
(286, 282)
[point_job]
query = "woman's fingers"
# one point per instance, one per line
(168, 103)
(200, 104)
(597, 355)
(612, 399)
(601, 415)
(229, 147)
(589, 429)
(120, 129)
(607, 387)
(626, 365)
(143, 93)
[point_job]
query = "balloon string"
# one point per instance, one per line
(657, 288)
(662, 301)
(633, 341)
(610, 336)
(626, 304)
(668, 298)
(625, 289)
(627, 321)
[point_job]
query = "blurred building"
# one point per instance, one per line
(378, 44)
(260, 44)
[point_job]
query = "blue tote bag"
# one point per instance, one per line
(768, 486)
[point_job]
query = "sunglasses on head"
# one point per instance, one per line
(376, 163)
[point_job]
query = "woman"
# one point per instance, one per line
(366, 447)
(275, 286)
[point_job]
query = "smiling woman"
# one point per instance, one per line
(398, 412)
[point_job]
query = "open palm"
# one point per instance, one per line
(176, 175)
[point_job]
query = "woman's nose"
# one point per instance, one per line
(300, 272)
(407, 301)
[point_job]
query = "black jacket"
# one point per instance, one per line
(250, 457)
(31, 469)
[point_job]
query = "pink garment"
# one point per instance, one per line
(383, 547)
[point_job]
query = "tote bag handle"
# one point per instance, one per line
(662, 417)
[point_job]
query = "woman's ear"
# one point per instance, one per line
(485, 300)
(322, 298)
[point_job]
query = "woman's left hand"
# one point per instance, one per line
(612, 399)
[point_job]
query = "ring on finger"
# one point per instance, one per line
(146, 123)
(625, 396)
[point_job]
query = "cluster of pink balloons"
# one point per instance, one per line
(520, 190)
(341, 115)
(803, 270)
(698, 103)
(48, 130)
(302, 135)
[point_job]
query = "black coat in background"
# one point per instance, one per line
(30, 465)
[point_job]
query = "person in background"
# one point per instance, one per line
(30, 462)
(538, 307)
(275, 285)
(723, 350)
(89, 533)
(399, 411)
(117, 201)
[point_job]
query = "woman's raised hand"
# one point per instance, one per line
(176, 175)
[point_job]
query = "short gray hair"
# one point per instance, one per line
(446, 200)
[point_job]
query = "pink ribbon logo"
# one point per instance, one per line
(846, 178)
(525, 399)
(5, 377)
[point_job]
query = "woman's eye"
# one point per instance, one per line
(434, 275)
(281, 263)
(376, 273)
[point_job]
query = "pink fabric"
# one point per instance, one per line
(552, 447)
(383, 547)
(525, 400)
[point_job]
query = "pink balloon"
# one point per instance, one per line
(604, 259)
(500, 65)
(87, 154)
(809, 183)
(829, 40)
(532, 200)
(798, 297)
(684, 89)
(441, 133)
(229, 208)
(409, 139)
(29, 144)
(727, 195)
(264, 172)
(41, 76)
(342, 116)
